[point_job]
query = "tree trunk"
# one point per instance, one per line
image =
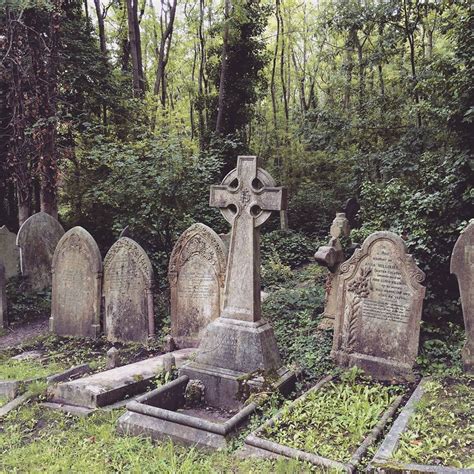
(138, 79)
(100, 23)
(274, 61)
(223, 76)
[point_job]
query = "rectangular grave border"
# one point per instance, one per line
(382, 461)
(254, 438)
(161, 405)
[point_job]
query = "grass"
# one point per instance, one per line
(26, 369)
(35, 440)
(441, 432)
(333, 421)
(3, 400)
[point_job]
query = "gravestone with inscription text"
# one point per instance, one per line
(196, 276)
(462, 265)
(76, 289)
(379, 312)
(9, 252)
(37, 239)
(127, 290)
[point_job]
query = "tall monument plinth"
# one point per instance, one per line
(238, 351)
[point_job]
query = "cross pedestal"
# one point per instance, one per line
(240, 342)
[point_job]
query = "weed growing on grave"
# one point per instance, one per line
(36, 440)
(441, 432)
(333, 421)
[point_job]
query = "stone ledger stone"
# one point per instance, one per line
(196, 277)
(462, 265)
(3, 299)
(239, 342)
(127, 289)
(37, 239)
(76, 289)
(9, 252)
(379, 312)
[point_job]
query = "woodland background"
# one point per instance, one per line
(124, 112)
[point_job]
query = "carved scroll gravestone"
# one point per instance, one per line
(196, 276)
(240, 342)
(462, 265)
(76, 289)
(3, 298)
(380, 303)
(37, 239)
(9, 252)
(331, 256)
(127, 290)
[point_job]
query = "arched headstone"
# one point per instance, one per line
(197, 277)
(379, 312)
(9, 252)
(127, 289)
(37, 239)
(76, 289)
(462, 265)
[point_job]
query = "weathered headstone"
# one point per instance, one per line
(76, 288)
(462, 265)
(127, 289)
(196, 277)
(240, 342)
(380, 303)
(3, 298)
(37, 239)
(9, 252)
(331, 256)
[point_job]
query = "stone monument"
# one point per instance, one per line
(76, 289)
(37, 239)
(379, 310)
(128, 296)
(3, 298)
(9, 252)
(196, 277)
(240, 342)
(462, 265)
(331, 256)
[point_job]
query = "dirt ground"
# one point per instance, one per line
(18, 334)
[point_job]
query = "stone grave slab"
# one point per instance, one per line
(196, 277)
(379, 311)
(37, 240)
(127, 290)
(76, 288)
(106, 388)
(3, 298)
(462, 265)
(9, 252)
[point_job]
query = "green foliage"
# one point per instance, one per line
(27, 369)
(440, 432)
(293, 248)
(333, 421)
(24, 306)
(274, 272)
(293, 312)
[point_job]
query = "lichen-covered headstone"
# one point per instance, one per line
(9, 252)
(3, 298)
(127, 289)
(197, 277)
(76, 288)
(380, 303)
(462, 265)
(37, 239)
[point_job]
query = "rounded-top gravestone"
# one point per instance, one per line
(9, 253)
(37, 239)
(76, 289)
(197, 277)
(379, 312)
(127, 289)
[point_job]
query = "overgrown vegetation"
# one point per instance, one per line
(333, 421)
(440, 432)
(27, 369)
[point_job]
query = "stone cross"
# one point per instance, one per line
(246, 198)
